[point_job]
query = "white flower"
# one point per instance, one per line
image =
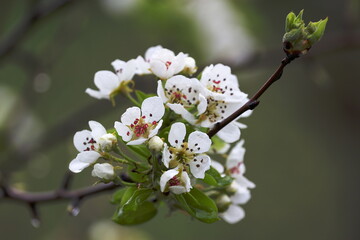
(109, 83)
(164, 63)
(87, 143)
(104, 171)
(137, 125)
(187, 155)
(142, 67)
(219, 80)
(156, 144)
(190, 66)
(233, 214)
(236, 167)
(175, 181)
(180, 90)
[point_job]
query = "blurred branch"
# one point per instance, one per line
(32, 200)
(37, 13)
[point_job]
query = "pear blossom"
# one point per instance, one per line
(233, 214)
(104, 171)
(176, 181)
(110, 83)
(187, 155)
(163, 62)
(190, 66)
(180, 90)
(219, 80)
(87, 143)
(138, 125)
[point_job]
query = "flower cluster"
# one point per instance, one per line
(160, 145)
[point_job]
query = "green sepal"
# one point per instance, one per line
(198, 205)
(118, 195)
(134, 207)
(213, 178)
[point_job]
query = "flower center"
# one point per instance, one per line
(89, 143)
(174, 181)
(141, 128)
(167, 64)
(235, 169)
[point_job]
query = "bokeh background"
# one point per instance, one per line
(302, 141)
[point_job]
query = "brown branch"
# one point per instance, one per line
(32, 200)
(38, 12)
(253, 102)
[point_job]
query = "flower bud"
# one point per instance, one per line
(156, 144)
(104, 171)
(223, 202)
(298, 38)
(107, 141)
(233, 187)
(190, 66)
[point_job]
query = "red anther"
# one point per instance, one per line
(167, 64)
(92, 147)
(128, 133)
(216, 82)
(174, 181)
(143, 116)
(184, 96)
(132, 125)
(154, 123)
(92, 141)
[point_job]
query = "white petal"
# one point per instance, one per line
(199, 165)
(160, 92)
(166, 176)
(166, 156)
(156, 129)
(106, 81)
(76, 166)
(230, 133)
(150, 51)
(177, 108)
(159, 69)
(178, 189)
(141, 66)
(137, 141)
(202, 104)
(177, 134)
(236, 155)
(125, 132)
(97, 130)
(130, 115)
(153, 109)
(185, 179)
(178, 64)
(83, 160)
(118, 65)
(239, 125)
(81, 139)
(241, 196)
(244, 182)
(218, 166)
(233, 214)
(97, 94)
(199, 142)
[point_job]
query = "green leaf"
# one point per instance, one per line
(141, 150)
(135, 209)
(316, 30)
(213, 178)
(136, 174)
(118, 195)
(198, 205)
(141, 96)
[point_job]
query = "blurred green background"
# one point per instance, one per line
(302, 141)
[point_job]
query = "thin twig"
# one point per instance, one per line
(253, 102)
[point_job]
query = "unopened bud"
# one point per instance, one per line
(190, 66)
(223, 202)
(104, 171)
(107, 141)
(233, 187)
(156, 144)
